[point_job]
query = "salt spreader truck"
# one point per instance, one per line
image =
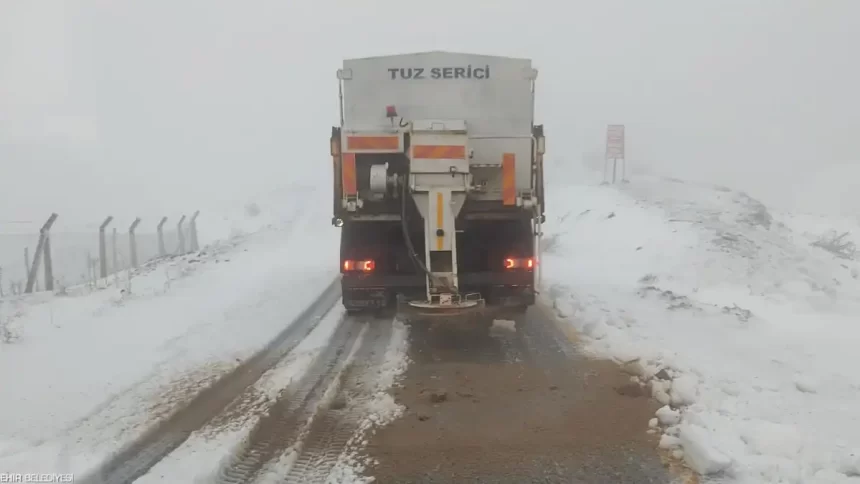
(438, 183)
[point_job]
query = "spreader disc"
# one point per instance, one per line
(443, 307)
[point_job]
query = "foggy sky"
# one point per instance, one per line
(158, 107)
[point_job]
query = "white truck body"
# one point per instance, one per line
(493, 95)
(447, 138)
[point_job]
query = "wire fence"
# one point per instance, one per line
(54, 257)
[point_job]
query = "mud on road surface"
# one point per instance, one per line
(517, 406)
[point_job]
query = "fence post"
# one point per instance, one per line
(46, 252)
(27, 261)
(103, 247)
(90, 275)
(132, 241)
(37, 257)
(195, 246)
(49, 263)
(181, 235)
(161, 250)
(114, 257)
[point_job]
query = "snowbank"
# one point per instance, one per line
(86, 374)
(745, 331)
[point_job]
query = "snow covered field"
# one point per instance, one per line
(83, 373)
(745, 331)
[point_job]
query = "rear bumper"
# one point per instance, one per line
(499, 289)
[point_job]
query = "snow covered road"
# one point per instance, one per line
(303, 418)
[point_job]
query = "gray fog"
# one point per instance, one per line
(152, 107)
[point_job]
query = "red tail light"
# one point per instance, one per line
(359, 265)
(524, 263)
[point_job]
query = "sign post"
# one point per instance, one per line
(615, 151)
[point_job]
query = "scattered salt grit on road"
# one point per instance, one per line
(92, 371)
(744, 331)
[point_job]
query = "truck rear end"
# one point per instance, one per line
(438, 181)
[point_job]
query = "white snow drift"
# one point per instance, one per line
(746, 332)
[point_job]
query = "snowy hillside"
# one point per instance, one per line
(86, 372)
(234, 217)
(743, 329)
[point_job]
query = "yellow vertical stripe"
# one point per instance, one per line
(440, 219)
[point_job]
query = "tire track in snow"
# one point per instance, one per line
(333, 431)
(136, 458)
(283, 425)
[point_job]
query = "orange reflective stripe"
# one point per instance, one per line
(372, 142)
(439, 152)
(350, 185)
(509, 179)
